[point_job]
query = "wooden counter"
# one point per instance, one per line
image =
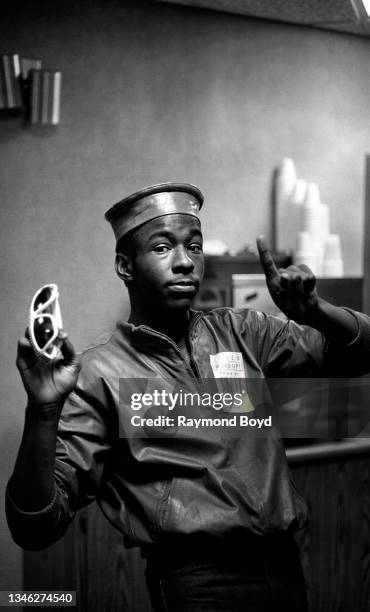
(329, 450)
(334, 478)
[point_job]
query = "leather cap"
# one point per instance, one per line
(151, 202)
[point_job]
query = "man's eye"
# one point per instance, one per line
(195, 248)
(161, 248)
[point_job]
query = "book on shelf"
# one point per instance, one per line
(10, 88)
(27, 64)
(3, 101)
(35, 88)
(45, 96)
(55, 106)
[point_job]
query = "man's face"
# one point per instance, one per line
(168, 265)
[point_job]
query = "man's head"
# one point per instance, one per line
(159, 246)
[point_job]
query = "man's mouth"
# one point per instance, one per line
(183, 286)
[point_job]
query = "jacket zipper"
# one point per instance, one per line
(162, 508)
(194, 370)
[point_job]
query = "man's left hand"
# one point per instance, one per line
(293, 289)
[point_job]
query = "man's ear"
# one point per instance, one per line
(123, 267)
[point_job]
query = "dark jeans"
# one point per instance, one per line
(261, 574)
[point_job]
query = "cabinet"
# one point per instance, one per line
(217, 289)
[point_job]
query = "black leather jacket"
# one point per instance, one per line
(200, 483)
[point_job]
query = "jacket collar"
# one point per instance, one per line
(143, 336)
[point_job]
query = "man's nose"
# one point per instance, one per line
(182, 260)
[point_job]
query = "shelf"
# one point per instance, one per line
(329, 450)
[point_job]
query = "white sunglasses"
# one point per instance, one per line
(45, 321)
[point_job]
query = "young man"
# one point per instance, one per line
(214, 514)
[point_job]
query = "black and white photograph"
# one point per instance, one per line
(185, 248)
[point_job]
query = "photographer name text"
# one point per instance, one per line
(238, 420)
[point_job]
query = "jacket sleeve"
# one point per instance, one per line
(291, 350)
(84, 441)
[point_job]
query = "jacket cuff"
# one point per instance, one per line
(36, 529)
(359, 330)
(42, 512)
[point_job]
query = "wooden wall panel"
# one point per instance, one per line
(92, 560)
(52, 569)
(109, 576)
(367, 238)
(335, 548)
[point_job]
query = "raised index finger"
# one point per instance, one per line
(267, 262)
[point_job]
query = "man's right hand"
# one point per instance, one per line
(48, 382)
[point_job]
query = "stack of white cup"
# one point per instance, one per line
(303, 223)
(304, 252)
(333, 261)
(315, 221)
(290, 193)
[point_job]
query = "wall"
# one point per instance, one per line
(154, 93)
